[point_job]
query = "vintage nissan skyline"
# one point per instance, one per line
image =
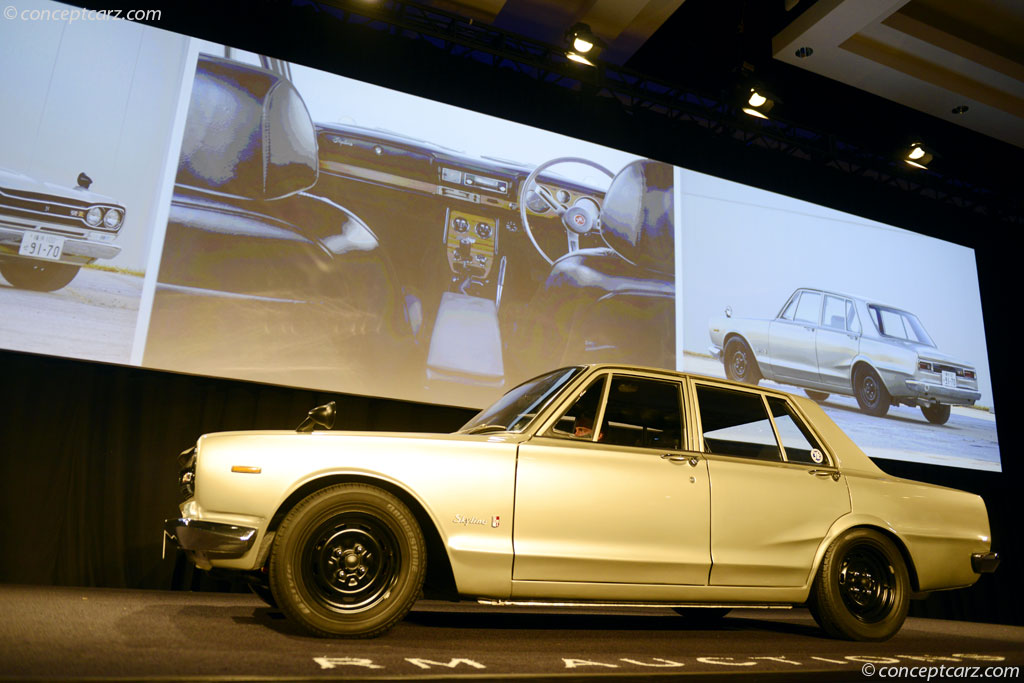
(48, 232)
(591, 485)
(828, 343)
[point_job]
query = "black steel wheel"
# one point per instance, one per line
(937, 414)
(740, 364)
(862, 590)
(816, 396)
(348, 561)
(872, 396)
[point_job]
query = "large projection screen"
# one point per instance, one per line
(292, 226)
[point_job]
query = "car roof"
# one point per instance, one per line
(683, 375)
(862, 299)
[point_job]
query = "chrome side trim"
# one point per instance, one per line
(560, 603)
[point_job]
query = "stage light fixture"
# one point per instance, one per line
(582, 39)
(916, 155)
(758, 103)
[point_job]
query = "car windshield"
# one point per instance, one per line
(892, 322)
(513, 411)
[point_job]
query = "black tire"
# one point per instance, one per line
(702, 616)
(348, 561)
(862, 590)
(739, 361)
(872, 396)
(817, 396)
(937, 414)
(38, 276)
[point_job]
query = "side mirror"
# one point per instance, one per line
(321, 416)
(84, 181)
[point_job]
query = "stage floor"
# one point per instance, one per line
(104, 634)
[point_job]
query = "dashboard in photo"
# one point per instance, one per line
(881, 326)
(332, 234)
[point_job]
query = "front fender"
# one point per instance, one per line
(465, 485)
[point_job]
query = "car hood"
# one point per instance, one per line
(16, 180)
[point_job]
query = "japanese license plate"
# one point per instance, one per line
(949, 379)
(38, 245)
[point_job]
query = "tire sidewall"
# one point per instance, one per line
(751, 373)
(878, 407)
(830, 610)
(38, 276)
(287, 580)
(938, 414)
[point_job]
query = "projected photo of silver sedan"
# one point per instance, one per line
(829, 343)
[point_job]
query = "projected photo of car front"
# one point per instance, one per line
(352, 257)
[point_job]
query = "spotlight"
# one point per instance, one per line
(582, 39)
(576, 57)
(758, 103)
(916, 155)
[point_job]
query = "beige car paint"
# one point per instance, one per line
(602, 528)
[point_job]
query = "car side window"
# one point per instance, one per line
(645, 413)
(809, 307)
(736, 423)
(578, 421)
(790, 309)
(835, 313)
(798, 442)
(852, 319)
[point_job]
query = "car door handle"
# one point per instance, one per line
(676, 457)
(825, 473)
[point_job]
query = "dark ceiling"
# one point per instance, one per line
(715, 46)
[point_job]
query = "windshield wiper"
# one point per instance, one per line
(480, 429)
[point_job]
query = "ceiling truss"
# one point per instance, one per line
(463, 38)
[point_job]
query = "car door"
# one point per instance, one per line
(624, 503)
(791, 340)
(837, 341)
(775, 491)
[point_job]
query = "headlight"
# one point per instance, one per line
(94, 216)
(112, 219)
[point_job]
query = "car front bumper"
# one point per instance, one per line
(204, 541)
(930, 392)
(76, 249)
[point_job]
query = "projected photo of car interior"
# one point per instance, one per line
(332, 234)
